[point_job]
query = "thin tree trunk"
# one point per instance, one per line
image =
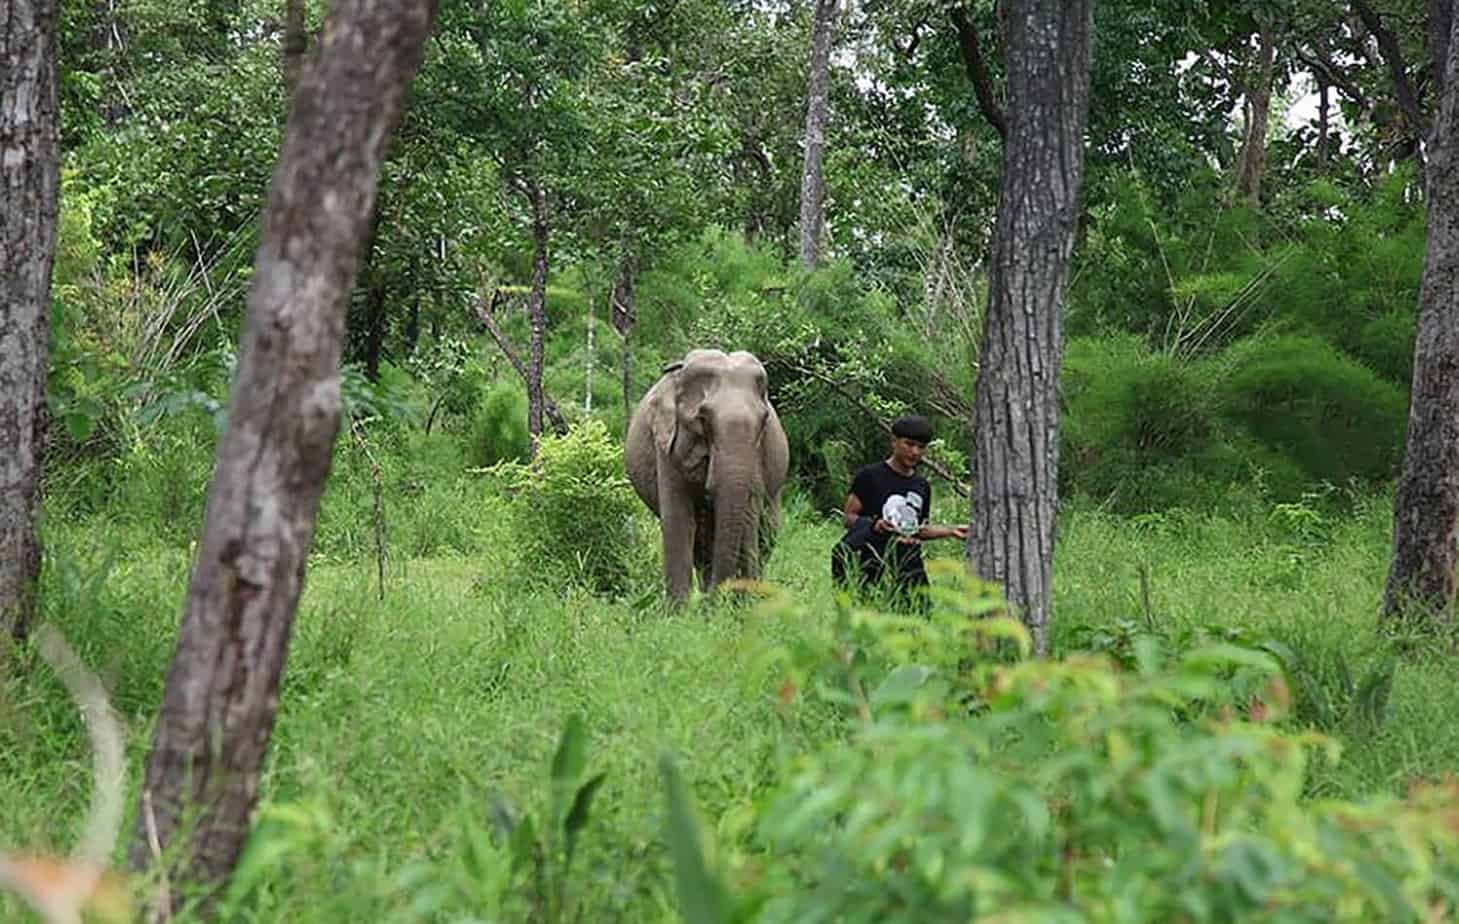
(622, 311)
(537, 312)
(813, 183)
(1016, 439)
(221, 697)
(1324, 127)
(375, 305)
(295, 43)
(29, 190)
(1258, 107)
(1421, 579)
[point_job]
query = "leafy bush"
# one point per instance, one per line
(1385, 344)
(499, 426)
(574, 511)
(972, 788)
(1331, 415)
(1142, 430)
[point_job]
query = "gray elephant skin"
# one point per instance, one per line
(707, 454)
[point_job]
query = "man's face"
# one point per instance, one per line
(908, 452)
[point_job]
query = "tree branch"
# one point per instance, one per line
(977, 68)
(1320, 64)
(483, 314)
(1397, 69)
(841, 390)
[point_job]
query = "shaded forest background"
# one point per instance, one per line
(1240, 318)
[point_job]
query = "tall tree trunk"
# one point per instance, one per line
(1258, 107)
(1421, 578)
(813, 183)
(1016, 439)
(29, 187)
(295, 43)
(272, 461)
(622, 311)
(537, 311)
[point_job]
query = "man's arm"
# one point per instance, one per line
(852, 512)
(959, 531)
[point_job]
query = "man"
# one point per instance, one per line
(887, 515)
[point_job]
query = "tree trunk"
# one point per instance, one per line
(1324, 127)
(537, 312)
(621, 310)
(1421, 579)
(1258, 107)
(1016, 439)
(30, 174)
(1441, 13)
(813, 183)
(272, 461)
(295, 43)
(375, 303)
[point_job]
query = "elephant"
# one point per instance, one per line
(706, 452)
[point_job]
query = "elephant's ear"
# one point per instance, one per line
(666, 411)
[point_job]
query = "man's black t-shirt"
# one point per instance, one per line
(886, 493)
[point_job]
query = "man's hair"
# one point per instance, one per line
(913, 427)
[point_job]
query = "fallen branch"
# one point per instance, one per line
(855, 399)
(483, 314)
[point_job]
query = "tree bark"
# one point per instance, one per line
(1016, 439)
(221, 696)
(29, 190)
(1441, 13)
(537, 312)
(818, 92)
(1421, 578)
(295, 43)
(1258, 107)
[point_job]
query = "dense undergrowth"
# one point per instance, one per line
(780, 758)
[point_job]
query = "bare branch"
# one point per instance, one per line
(957, 485)
(977, 68)
(483, 314)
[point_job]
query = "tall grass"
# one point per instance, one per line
(408, 723)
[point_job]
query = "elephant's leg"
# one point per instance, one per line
(676, 522)
(769, 528)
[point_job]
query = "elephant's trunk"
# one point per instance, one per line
(738, 498)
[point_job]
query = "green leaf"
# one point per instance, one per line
(572, 752)
(901, 685)
(577, 817)
(702, 898)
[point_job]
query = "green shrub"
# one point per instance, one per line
(498, 429)
(1333, 417)
(1141, 430)
(971, 788)
(1386, 346)
(574, 512)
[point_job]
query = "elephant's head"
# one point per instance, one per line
(712, 425)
